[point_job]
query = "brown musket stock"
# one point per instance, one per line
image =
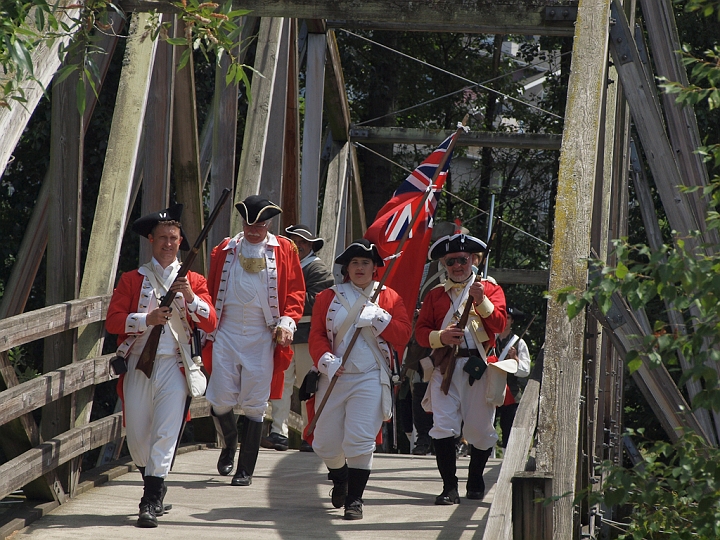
(147, 357)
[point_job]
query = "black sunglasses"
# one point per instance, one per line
(452, 260)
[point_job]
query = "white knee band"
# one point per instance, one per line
(363, 461)
(219, 411)
(336, 462)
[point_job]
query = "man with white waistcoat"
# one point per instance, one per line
(153, 407)
(257, 284)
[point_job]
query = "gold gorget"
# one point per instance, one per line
(252, 264)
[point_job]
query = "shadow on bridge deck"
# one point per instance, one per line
(288, 499)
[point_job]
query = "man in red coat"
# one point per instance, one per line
(153, 408)
(257, 285)
(468, 406)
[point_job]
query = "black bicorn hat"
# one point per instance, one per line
(145, 225)
(255, 209)
(303, 231)
(455, 243)
(360, 248)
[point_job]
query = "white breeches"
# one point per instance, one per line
(301, 364)
(352, 416)
(242, 370)
(154, 413)
(463, 410)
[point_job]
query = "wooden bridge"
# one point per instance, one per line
(569, 418)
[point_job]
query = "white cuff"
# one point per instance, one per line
(198, 309)
(329, 364)
(374, 316)
(287, 323)
(136, 323)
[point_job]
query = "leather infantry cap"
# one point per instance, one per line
(360, 248)
(455, 243)
(255, 209)
(145, 225)
(303, 231)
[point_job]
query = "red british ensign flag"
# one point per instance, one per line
(394, 218)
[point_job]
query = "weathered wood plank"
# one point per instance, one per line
(158, 127)
(43, 322)
(336, 103)
(557, 450)
(290, 202)
(337, 180)
(433, 137)
(186, 152)
(117, 178)
(499, 520)
(48, 456)
(258, 118)
(49, 387)
(359, 224)
(312, 130)
(480, 16)
(224, 135)
(45, 63)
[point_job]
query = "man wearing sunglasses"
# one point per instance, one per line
(464, 408)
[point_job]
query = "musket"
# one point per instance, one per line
(147, 357)
(405, 236)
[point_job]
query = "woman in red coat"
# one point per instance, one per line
(345, 432)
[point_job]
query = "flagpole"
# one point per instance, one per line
(393, 259)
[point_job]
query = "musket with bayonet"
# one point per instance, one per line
(147, 357)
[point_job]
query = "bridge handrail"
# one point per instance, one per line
(44, 322)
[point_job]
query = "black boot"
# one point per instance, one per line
(476, 484)
(445, 458)
(357, 480)
(161, 508)
(339, 491)
(152, 498)
(226, 426)
(249, 448)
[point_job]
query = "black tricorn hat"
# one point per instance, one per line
(256, 209)
(455, 243)
(360, 248)
(145, 225)
(515, 313)
(303, 231)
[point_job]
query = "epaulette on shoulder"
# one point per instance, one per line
(491, 280)
(292, 242)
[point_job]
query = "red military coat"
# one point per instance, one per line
(437, 303)
(290, 297)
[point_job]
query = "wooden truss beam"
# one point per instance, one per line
(527, 17)
(487, 139)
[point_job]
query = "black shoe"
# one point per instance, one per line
(353, 511)
(306, 446)
(241, 478)
(226, 461)
(147, 518)
(275, 441)
(160, 507)
(422, 449)
(475, 495)
(448, 497)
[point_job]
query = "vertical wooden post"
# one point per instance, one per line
(532, 519)
(117, 177)
(186, 152)
(271, 176)
(63, 248)
(557, 451)
(158, 127)
(291, 156)
(332, 204)
(312, 129)
(257, 122)
(224, 136)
